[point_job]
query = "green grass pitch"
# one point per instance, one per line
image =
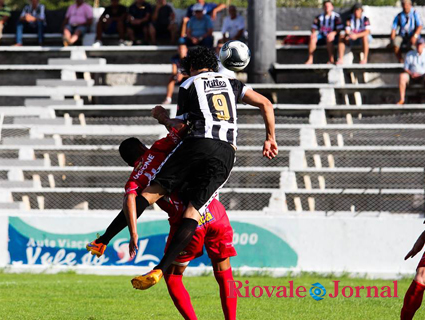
(83, 297)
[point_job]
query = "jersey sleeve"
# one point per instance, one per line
(366, 23)
(395, 22)
(418, 20)
(239, 89)
(316, 23)
(182, 103)
(338, 23)
(225, 26)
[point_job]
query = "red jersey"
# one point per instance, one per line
(147, 165)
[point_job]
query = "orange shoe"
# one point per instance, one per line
(96, 248)
(147, 280)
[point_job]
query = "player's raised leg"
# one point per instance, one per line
(414, 295)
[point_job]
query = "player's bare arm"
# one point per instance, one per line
(270, 149)
(130, 213)
(417, 247)
(160, 114)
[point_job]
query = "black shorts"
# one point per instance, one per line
(199, 165)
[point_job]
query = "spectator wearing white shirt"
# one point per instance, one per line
(233, 26)
(414, 69)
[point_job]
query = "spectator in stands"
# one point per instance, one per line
(139, 22)
(406, 29)
(112, 21)
(357, 32)
(4, 16)
(32, 20)
(414, 69)
(210, 9)
(199, 28)
(163, 19)
(178, 75)
(324, 31)
(233, 25)
(78, 20)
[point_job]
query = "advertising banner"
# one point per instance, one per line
(61, 241)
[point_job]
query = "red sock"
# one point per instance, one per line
(180, 296)
(228, 304)
(412, 300)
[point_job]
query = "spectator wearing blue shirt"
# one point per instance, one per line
(414, 69)
(199, 28)
(210, 9)
(32, 19)
(406, 29)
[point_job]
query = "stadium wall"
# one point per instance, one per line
(274, 243)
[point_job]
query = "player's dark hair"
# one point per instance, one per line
(326, 1)
(131, 149)
(200, 58)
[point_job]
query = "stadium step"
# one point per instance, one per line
(10, 205)
(13, 141)
(74, 62)
(6, 184)
(52, 102)
(39, 121)
(64, 83)
(22, 163)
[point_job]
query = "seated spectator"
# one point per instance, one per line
(139, 22)
(406, 29)
(163, 19)
(199, 28)
(234, 25)
(77, 23)
(210, 9)
(32, 20)
(4, 16)
(357, 32)
(324, 31)
(178, 75)
(414, 69)
(112, 21)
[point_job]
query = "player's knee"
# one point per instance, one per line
(404, 77)
(420, 276)
(221, 264)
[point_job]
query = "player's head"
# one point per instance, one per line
(232, 11)
(182, 48)
(131, 149)
(407, 5)
(328, 7)
(200, 58)
(357, 10)
(420, 45)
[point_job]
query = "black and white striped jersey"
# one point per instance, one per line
(326, 24)
(208, 101)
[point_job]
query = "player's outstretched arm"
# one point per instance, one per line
(130, 212)
(253, 98)
(417, 247)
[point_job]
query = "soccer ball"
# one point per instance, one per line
(235, 55)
